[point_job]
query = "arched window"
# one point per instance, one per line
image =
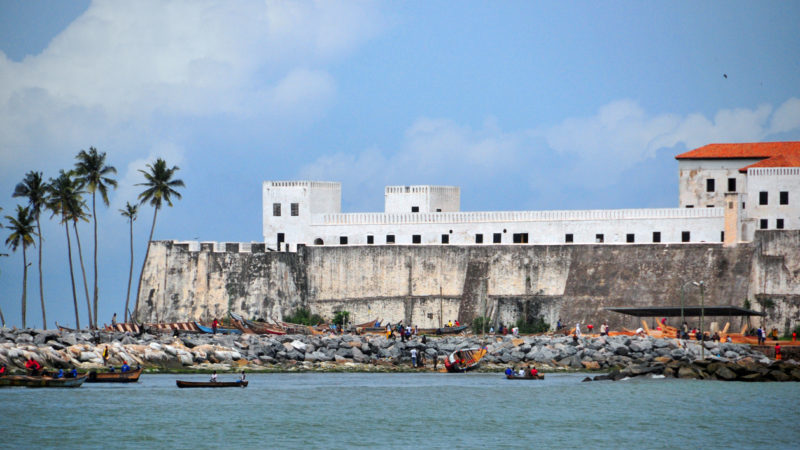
(318, 241)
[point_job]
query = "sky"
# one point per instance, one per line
(524, 105)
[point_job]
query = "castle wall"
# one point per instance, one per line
(426, 285)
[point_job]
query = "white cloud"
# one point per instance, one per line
(122, 63)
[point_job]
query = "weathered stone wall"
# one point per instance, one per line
(427, 285)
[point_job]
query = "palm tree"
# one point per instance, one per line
(22, 234)
(34, 189)
(160, 187)
(130, 212)
(63, 192)
(78, 212)
(2, 319)
(92, 171)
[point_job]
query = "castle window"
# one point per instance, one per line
(656, 237)
(629, 238)
(370, 239)
(520, 238)
(763, 198)
(709, 206)
(416, 239)
(276, 209)
(342, 240)
(779, 224)
(743, 205)
(722, 236)
(690, 206)
(686, 236)
(390, 239)
(784, 198)
(295, 209)
(281, 238)
(445, 239)
(599, 238)
(731, 184)
(438, 209)
(763, 224)
(318, 241)
(497, 238)
(415, 209)
(569, 238)
(479, 239)
(710, 185)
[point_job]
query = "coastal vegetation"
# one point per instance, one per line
(160, 188)
(303, 316)
(64, 197)
(21, 236)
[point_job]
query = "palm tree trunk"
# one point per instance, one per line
(94, 217)
(83, 271)
(41, 288)
(2, 319)
(72, 278)
(141, 274)
(24, 283)
(130, 276)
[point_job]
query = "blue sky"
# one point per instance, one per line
(525, 105)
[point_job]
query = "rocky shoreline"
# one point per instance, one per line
(618, 356)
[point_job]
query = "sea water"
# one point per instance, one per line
(418, 410)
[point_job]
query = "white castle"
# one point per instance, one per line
(727, 191)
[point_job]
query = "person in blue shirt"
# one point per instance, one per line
(73, 373)
(509, 371)
(111, 369)
(125, 366)
(60, 373)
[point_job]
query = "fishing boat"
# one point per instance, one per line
(256, 327)
(527, 376)
(210, 384)
(131, 376)
(209, 330)
(465, 359)
(42, 381)
(442, 330)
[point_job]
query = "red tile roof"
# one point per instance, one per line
(772, 154)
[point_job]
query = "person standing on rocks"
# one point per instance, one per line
(778, 351)
(114, 320)
(413, 357)
(214, 326)
(105, 355)
(578, 329)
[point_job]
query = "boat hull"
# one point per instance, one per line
(210, 330)
(209, 384)
(464, 360)
(42, 382)
(114, 377)
(525, 377)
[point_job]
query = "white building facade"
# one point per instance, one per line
(721, 199)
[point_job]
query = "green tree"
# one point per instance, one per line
(130, 212)
(160, 188)
(62, 193)
(22, 233)
(2, 319)
(341, 318)
(303, 316)
(91, 171)
(34, 188)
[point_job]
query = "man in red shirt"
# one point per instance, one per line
(777, 351)
(33, 366)
(214, 325)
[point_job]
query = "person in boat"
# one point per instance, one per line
(214, 377)
(214, 326)
(243, 377)
(33, 366)
(111, 369)
(60, 373)
(449, 323)
(2, 370)
(522, 372)
(509, 371)
(534, 373)
(125, 367)
(73, 373)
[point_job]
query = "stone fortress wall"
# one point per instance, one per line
(427, 285)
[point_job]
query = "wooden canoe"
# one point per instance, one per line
(210, 384)
(131, 376)
(443, 330)
(525, 377)
(44, 381)
(257, 327)
(465, 359)
(209, 330)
